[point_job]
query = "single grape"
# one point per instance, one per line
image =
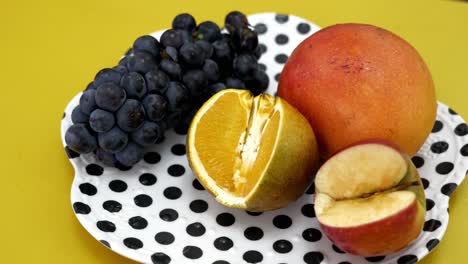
(101, 121)
(141, 62)
(79, 139)
(121, 69)
(110, 96)
(131, 115)
(147, 44)
(155, 107)
(172, 69)
(134, 85)
(107, 75)
(105, 157)
(235, 20)
(171, 38)
(216, 87)
(90, 86)
(259, 83)
(222, 51)
(208, 31)
(234, 83)
(113, 141)
(192, 54)
(184, 21)
(196, 81)
(177, 96)
(130, 155)
(244, 39)
(211, 70)
(156, 82)
(206, 46)
(88, 101)
(147, 134)
(79, 117)
(170, 53)
(245, 65)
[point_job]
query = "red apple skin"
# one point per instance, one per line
(381, 237)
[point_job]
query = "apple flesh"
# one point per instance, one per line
(369, 199)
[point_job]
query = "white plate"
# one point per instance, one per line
(158, 213)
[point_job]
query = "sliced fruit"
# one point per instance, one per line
(369, 199)
(255, 153)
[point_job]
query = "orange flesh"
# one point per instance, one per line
(235, 139)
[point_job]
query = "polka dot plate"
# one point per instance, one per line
(157, 212)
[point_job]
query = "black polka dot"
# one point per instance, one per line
(417, 161)
(282, 221)
(221, 262)
(172, 193)
(164, 238)
(152, 157)
(308, 210)
(448, 188)
(148, 179)
(407, 259)
(282, 246)
(437, 126)
(313, 257)
(225, 219)
(223, 243)
(160, 258)
(88, 189)
(432, 244)
(464, 150)
(122, 167)
(81, 208)
(303, 28)
(431, 225)
(253, 213)
(252, 256)
(168, 215)
(311, 234)
(451, 111)
(337, 249)
(425, 183)
(253, 233)
(262, 66)
(196, 229)
(105, 226)
(192, 252)
(198, 206)
(176, 170)
(133, 243)
(260, 28)
(105, 243)
(345, 262)
(178, 149)
(138, 222)
(281, 58)
(461, 129)
(375, 259)
(262, 48)
(281, 39)
(71, 154)
(118, 186)
(197, 185)
(439, 147)
(112, 206)
(429, 204)
(143, 200)
(94, 169)
(277, 77)
(281, 18)
(444, 167)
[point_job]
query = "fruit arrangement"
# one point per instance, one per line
(160, 84)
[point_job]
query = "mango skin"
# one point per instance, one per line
(355, 82)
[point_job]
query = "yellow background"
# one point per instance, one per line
(51, 49)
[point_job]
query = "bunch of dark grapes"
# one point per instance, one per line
(161, 84)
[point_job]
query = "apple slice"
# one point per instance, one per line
(369, 199)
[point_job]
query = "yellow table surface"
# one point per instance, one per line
(51, 49)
